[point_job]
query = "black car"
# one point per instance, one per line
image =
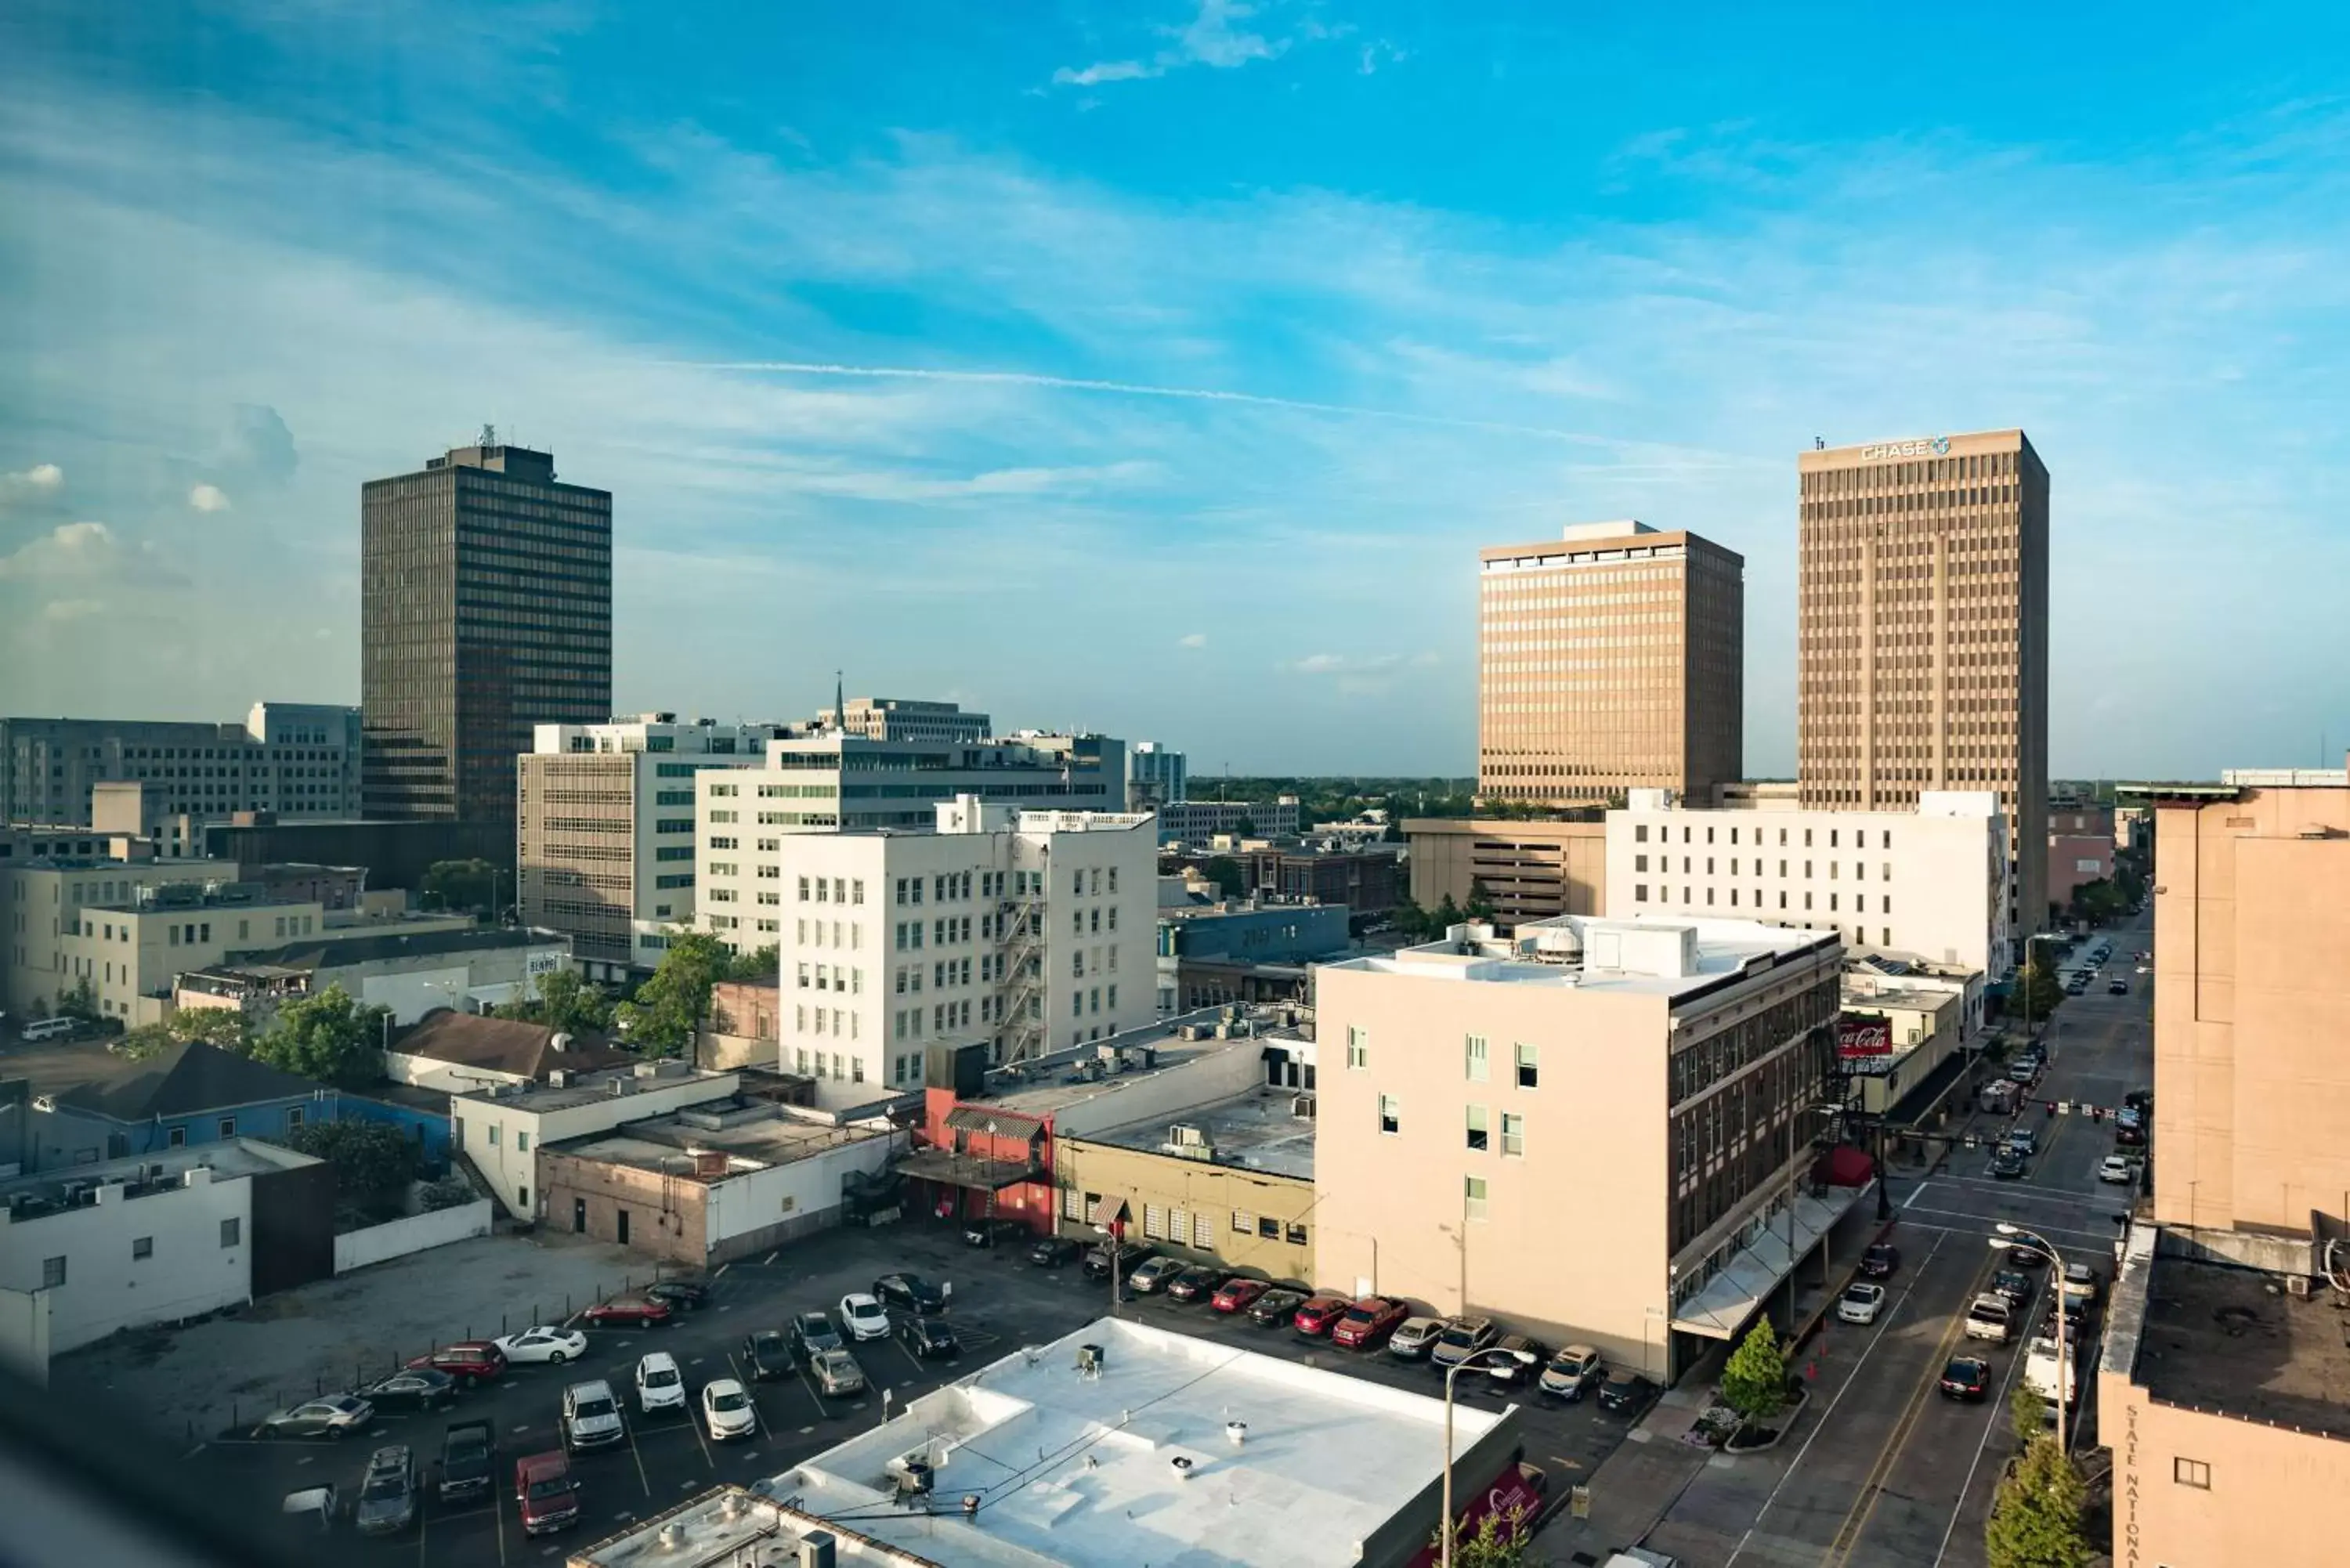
(766, 1354)
(1966, 1377)
(925, 1338)
(1277, 1305)
(2006, 1165)
(1055, 1251)
(1196, 1284)
(1624, 1391)
(812, 1334)
(411, 1388)
(2015, 1286)
(910, 1292)
(1879, 1260)
(2139, 1100)
(679, 1295)
(996, 1233)
(1129, 1259)
(1508, 1371)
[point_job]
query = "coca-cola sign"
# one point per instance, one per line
(1864, 1037)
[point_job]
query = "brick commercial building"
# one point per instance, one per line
(1611, 659)
(2081, 847)
(1369, 882)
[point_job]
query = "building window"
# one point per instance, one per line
(522, 1142)
(2191, 1472)
(176, 1138)
(231, 1231)
(1477, 1058)
(1296, 1235)
(1244, 1222)
(1477, 1129)
(228, 1127)
(53, 1272)
(1639, 892)
(1391, 1114)
(1472, 1198)
(293, 1117)
(142, 1247)
(1359, 1046)
(1513, 1136)
(1529, 1067)
(494, 1134)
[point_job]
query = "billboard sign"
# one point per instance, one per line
(1864, 1037)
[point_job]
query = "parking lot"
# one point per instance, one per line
(1000, 1303)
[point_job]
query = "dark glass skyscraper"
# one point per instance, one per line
(485, 609)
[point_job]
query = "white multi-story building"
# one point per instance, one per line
(1030, 931)
(1156, 775)
(1928, 884)
(604, 830)
(904, 719)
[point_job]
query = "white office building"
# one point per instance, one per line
(904, 719)
(1928, 884)
(1029, 930)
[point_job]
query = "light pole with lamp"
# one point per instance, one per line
(1523, 1359)
(2014, 1234)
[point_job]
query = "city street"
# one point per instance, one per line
(1889, 1474)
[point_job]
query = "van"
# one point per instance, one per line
(50, 1028)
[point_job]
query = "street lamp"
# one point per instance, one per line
(2009, 1233)
(1523, 1359)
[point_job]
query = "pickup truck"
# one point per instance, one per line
(469, 1456)
(1990, 1318)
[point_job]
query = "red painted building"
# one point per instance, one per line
(975, 1160)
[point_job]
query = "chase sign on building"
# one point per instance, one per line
(1932, 446)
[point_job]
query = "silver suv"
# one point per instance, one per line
(591, 1416)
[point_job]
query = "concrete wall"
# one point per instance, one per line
(1196, 1190)
(415, 1233)
(758, 1210)
(25, 1335)
(1166, 1094)
(666, 1216)
(502, 1137)
(188, 1270)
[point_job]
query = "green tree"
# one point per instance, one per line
(225, 1027)
(2042, 992)
(759, 964)
(669, 1010)
(1409, 920)
(1225, 873)
(147, 1040)
(1754, 1380)
(565, 1001)
(1444, 917)
(2035, 1515)
(328, 1037)
(2027, 1413)
(78, 1001)
(462, 885)
(1479, 906)
(374, 1161)
(1499, 1541)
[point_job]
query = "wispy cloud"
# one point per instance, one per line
(1215, 36)
(43, 479)
(208, 498)
(1192, 639)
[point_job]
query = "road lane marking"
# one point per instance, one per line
(2006, 1392)
(721, 1273)
(1990, 1224)
(1918, 1192)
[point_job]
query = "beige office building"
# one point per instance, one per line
(1595, 1130)
(1922, 642)
(1610, 658)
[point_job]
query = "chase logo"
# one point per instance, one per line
(1941, 446)
(1938, 446)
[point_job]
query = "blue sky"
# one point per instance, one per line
(1160, 367)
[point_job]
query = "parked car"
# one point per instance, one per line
(812, 1334)
(862, 1317)
(1462, 1337)
(2024, 1140)
(546, 1495)
(1366, 1325)
(387, 1499)
(1415, 1337)
(2118, 1169)
(679, 1295)
(1860, 1302)
(542, 1343)
(1278, 1305)
(2117, 986)
(2081, 1284)
(591, 1416)
(659, 1385)
(1239, 1293)
(1318, 1314)
(2016, 1286)
(1055, 1251)
(1522, 1365)
(469, 1459)
(726, 1410)
(1196, 1284)
(1155, 1274)
(2130, 1133)
(2139, 1100)
(998, 1232)
(767, 1355)
(1572, 1370)
(335, 1415)
(636, 1310)
(1991, 1318)
(836, 1373)
(2025, 1257)
(1624, 1391)
(910, 1292)
(1879, 1260)
(1966, 1377)
(925, 1338)
(1130, 1259)
(305, 1515)
(418, 1388)
(2006, 1165)
(469, 1360)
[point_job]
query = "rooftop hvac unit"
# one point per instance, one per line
(816, 1548)
(1302, 1107)
(1185, 1135)
(2297, 1286)
(558, 1079)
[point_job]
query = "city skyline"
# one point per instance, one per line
(1018, 327)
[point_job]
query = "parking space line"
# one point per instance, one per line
(642, 1479)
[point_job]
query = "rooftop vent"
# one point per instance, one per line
(672, 1536)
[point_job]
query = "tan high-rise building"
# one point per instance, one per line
(1922, 644)
(1611, 659)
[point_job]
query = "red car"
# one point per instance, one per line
(1321, 1310)
(1239, 1295)
(1368, 1323)
(628, 1309)
(545, 1493)
(469, 1360)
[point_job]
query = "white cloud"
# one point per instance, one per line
(1192, 639)
(41, 479)
(61, 610)
(1212, 37)
(70, 549)
(208, 498)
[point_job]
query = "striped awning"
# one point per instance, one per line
(995, 1121)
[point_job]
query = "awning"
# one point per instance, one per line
(995, 1122)
(1730, 1299)
(949, 1168)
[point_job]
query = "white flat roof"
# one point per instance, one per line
(1078, 1469)
(1707, 950)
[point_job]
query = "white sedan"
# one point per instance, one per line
(544, 1342)
(1860, 1302)
(2119, 1168)
(726, 1410)
(863, 1317)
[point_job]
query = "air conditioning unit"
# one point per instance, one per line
(2297, 1286)
(1302, 1107)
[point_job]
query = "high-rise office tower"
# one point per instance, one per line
(1923, 634)
(1613, 659)
(486, 609)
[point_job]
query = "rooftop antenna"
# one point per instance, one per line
(489, 435)
(1819, 443)
(839, 704)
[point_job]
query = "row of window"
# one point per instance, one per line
(1689, 900)
(1476, 1053)
(53, 1270)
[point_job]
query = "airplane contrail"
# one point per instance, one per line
(1139, 389)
